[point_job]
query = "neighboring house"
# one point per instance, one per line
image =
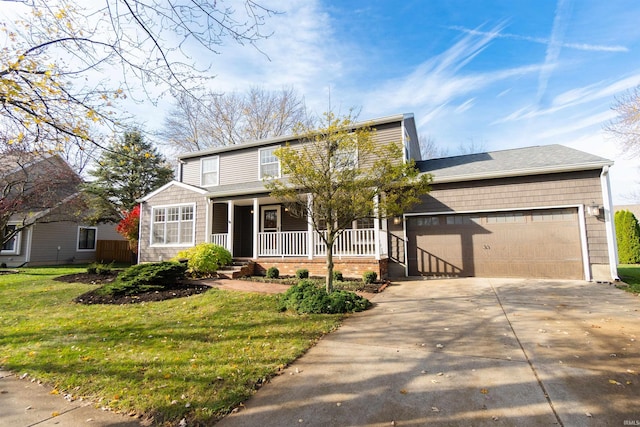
(634, 209)
(47, 213)
(531, 212)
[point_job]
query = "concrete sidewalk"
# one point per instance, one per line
(468, 352)
(24, 403)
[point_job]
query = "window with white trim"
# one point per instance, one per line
(12, 246)
(345, 158)
(173, 225)
(87, 237)
(209, 171)
(269, 163)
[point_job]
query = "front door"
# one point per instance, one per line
(270, 226)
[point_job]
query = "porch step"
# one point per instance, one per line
(238, 268)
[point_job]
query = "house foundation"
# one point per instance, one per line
(349, 267)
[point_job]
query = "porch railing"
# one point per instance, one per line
(351, 243)
(221, 239)
(283, 243)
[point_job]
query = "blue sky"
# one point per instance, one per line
(501, 74)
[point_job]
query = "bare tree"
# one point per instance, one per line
(232, 118)
(52, 69)
(32, 185)
(429, 149)
(471, 146)
(626, 126)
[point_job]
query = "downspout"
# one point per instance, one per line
(609, 224)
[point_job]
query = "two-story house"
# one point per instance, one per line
(532, 212)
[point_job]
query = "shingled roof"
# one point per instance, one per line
(515, 162)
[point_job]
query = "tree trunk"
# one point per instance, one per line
(329, 281)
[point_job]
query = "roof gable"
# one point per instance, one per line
(187, 187)
(516, 162)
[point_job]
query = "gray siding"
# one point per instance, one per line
(173, 195)
(238, 167)
(46, 238)
(191, 172)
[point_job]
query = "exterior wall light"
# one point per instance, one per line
(397, 220)
(593, 210)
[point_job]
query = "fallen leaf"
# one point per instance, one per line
(54, 391)
(588, 414)
(403, 391)
(434, 409)
(484, 391)
(614, 382)
(55, 414)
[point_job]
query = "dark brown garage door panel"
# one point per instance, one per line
(542, 244)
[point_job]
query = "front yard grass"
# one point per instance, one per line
(630, 274)
(195, 357)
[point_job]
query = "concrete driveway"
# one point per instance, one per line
(468, 352)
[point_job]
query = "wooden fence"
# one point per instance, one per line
(114, 250)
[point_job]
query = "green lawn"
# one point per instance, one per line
(195, 357)
(630, 274)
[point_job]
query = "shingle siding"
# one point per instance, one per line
(171, 196)
(572, 188)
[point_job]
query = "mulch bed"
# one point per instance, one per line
(178, 290)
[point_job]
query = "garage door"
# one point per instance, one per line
(539, 243)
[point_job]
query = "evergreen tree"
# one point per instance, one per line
(129, 169)
(628, 237)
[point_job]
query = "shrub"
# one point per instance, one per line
(369, 277)
(337, 276)
(628, 237)
(307, 298)
(205, 259)
(145, 277)
(99, 268)
(3, 265)
(302, 273)
(273, 273)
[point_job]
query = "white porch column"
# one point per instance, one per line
(208, 226)
(256, 226)
(230, 215)
(309, 226)
(376, 225)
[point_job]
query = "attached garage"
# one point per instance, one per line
(539, 212)
(532, 243)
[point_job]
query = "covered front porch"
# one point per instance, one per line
(261, 227)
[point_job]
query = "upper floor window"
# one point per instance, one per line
(12, 246)
(209, 171)
(87, 238)
(269, 163)
(173, 225)
(345, 158)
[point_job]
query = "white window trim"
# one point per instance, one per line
(16, 246)
(217, 159)
(344, 151)
(264, 178)
(95, 240)
(172, 245)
